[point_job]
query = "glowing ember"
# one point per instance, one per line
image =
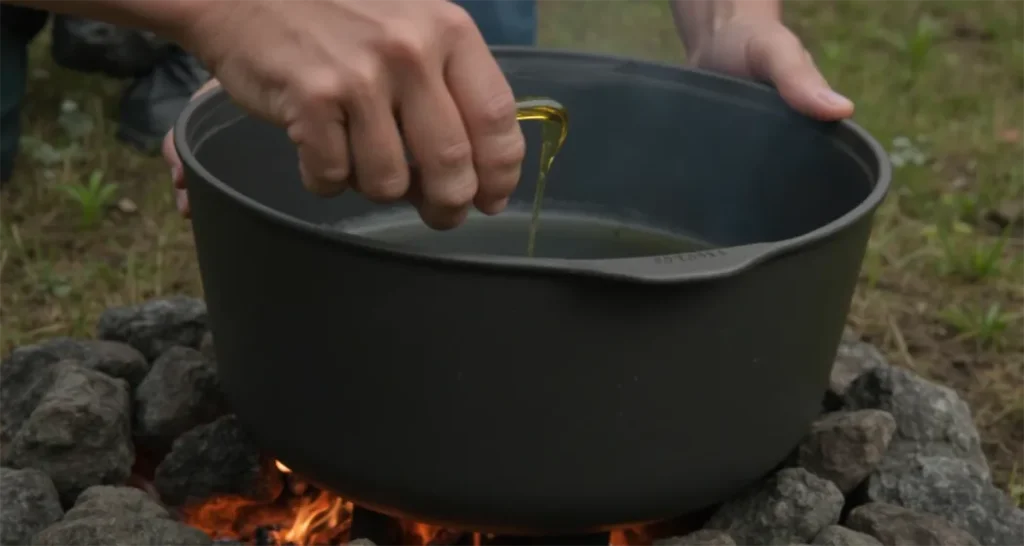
(307, 516)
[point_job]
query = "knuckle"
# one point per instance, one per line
(454, 156)
(455, 20)
(362, 83)
(386, 189)
(498, 113)
(507, 156)
(320, 86)
(454, 193)
(404, 45)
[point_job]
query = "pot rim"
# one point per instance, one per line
(662, 269)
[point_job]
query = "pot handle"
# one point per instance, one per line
(698, 265)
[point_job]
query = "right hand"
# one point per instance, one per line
(342, 75)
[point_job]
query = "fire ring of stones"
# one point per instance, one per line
(126, 439)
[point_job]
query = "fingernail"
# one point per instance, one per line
(835, 99)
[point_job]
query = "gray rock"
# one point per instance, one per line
(29, 503)
(704, 537)
(110, 357)
(791, 506)
(23, 382)
(361, 542)
(954, 490)
(125, 530)
(835, 535)
(156, 325)
(845, 447)
(79, 434)
(29, 371)
(853, 358)
(180, 392)
(930, 419)
(106, 500)
(897, 526)
(218, 458)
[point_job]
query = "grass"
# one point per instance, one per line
(89, 223)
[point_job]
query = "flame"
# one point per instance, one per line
(305, 516)
(317, 522)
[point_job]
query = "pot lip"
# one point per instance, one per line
(747, 256)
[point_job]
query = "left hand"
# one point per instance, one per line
(764, 49)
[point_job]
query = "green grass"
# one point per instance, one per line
(89, 223)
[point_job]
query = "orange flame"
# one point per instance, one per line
(299, 518)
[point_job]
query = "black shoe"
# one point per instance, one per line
(151, 104)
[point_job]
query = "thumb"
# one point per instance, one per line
(780, 58)
(170, 154)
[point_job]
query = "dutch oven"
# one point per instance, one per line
(437, 377)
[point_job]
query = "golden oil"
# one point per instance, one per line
(554, 128)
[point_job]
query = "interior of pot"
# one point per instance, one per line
(674, 158)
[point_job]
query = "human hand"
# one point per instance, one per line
(763, 48)
(342, 75)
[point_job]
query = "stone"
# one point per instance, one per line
(954, 490)
(122, 530)
(110, 357)
(180, 392)
(106, 500)
(845, 447)
(791, 506)
(361, 542)
(29, 503)
(154, 326)
(79, 434)
(896, 526)
(930, 419)
(28, 373)
(853, 358)
(704, 537)
(837, 535)
(219, 458)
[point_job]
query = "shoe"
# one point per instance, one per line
(152, 103)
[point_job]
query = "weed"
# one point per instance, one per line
(984, 326)
(92, 198)
(970, 260)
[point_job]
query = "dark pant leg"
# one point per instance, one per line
(504, 22)
(18, 26)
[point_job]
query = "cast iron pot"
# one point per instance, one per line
(549, 395)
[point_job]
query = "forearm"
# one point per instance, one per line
(168, 18)
(697, 20)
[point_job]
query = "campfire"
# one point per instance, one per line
(301, 516)
(304, 515)
(114, 442)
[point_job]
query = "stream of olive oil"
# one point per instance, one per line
(554, 128)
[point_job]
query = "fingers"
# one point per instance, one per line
(323, 150)
(489, 113)
(381, 170)
(170, 154)
(779, 57)
(437, 139)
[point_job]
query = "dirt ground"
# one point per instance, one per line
(939, 83)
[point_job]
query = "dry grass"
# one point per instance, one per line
(942, 288)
